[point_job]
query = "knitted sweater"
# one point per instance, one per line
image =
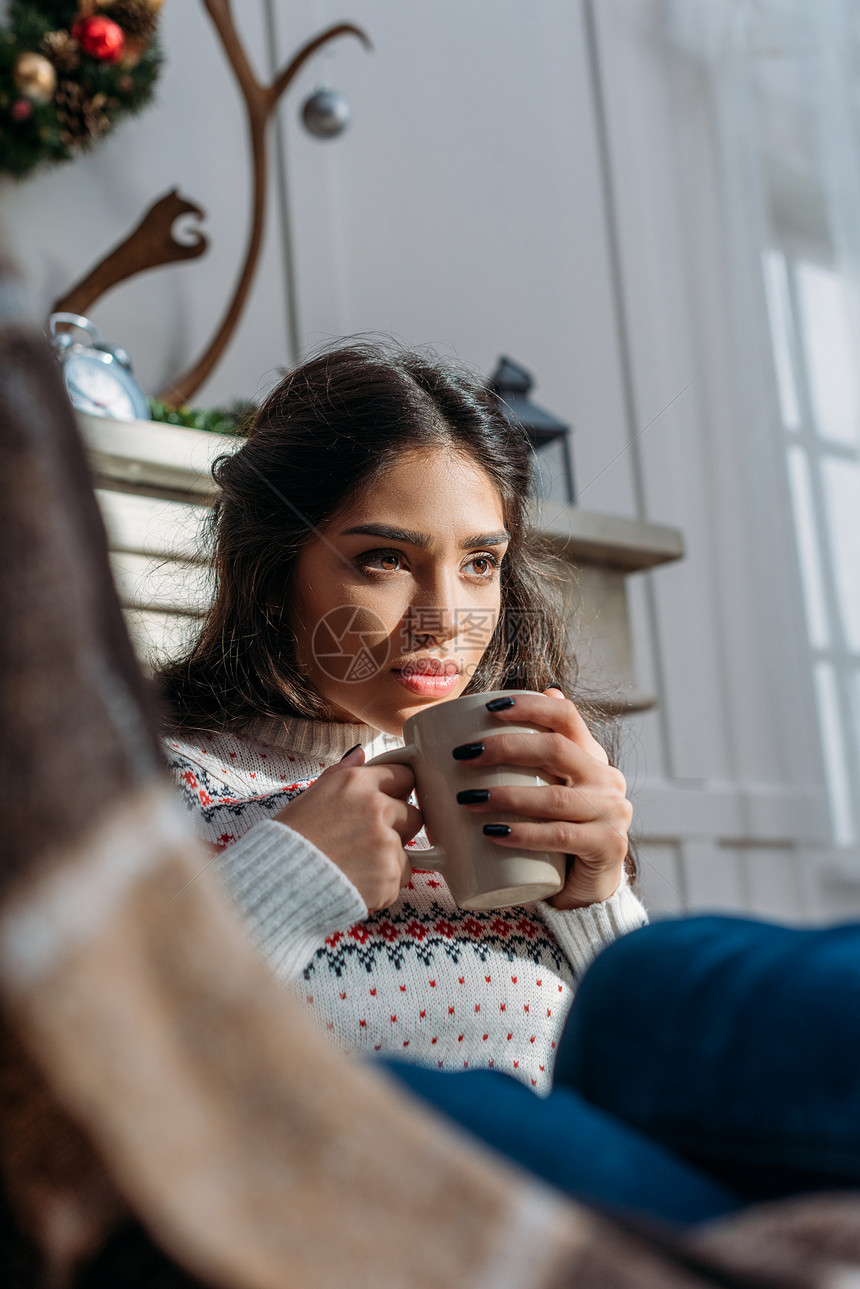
(424, 979)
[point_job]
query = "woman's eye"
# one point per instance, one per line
(381, 561)
(483, 565)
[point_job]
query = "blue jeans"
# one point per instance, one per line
(706, 1063)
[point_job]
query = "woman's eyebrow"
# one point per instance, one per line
(487, 539)
(391, 534)
(423, 540)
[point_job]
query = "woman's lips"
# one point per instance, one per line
(433, 684)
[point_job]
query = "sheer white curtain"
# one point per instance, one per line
(781, 83)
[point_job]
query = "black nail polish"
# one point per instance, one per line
(497, 830)
(473, 796)
(352, 749)
(467, 751)
(555, 684)
(499, 704)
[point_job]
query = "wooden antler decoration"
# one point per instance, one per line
(260, 102)
(150, 244)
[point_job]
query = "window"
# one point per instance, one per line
(819, 398)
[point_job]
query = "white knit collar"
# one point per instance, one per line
(325, 741)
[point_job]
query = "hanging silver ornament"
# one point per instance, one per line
(326, 114)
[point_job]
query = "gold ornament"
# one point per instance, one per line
(63, 50)
(35, 77)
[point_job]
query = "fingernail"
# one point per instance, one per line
(467, 751)
(350, 752)
(499, 704)
(497, 830)
(473, 796)
(556, 684)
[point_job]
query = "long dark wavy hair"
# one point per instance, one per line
(323, 436)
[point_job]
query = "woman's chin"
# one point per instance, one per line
(411, 705)
(387, 705)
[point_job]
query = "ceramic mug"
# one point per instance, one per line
(479, 874)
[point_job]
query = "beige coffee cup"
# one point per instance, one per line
(479, 874)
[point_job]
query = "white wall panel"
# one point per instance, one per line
(662, 880)
(713, 877)
(774, 882)
(670, 453)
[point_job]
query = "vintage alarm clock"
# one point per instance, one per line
(98, 376)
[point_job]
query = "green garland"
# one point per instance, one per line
(67, 76)
(234, 419)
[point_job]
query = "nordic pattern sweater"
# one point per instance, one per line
(423, 980)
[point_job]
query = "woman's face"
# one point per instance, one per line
(395, 601)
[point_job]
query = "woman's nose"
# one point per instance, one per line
(431, 623)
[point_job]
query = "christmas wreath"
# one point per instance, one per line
(69, 72)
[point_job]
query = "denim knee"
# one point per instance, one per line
(726, 1030)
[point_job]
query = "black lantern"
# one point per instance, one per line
(512, 384)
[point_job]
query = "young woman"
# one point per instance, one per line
(372, 557)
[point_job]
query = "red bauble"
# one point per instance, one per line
(22, 109)
(100, 37)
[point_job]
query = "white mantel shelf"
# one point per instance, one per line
(155, 485)
(611, 540)
(154, 455)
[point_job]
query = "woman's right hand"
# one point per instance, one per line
(360, 817)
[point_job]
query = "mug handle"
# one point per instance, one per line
(407, 756)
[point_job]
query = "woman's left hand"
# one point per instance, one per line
(585, 816)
